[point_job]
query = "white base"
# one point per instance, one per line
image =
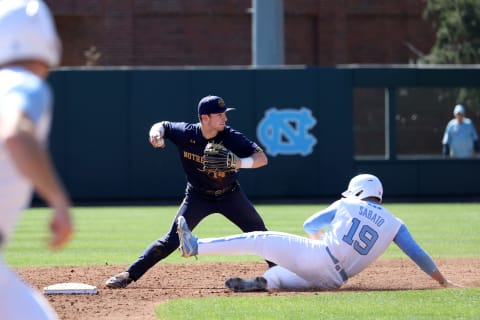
(70, 288)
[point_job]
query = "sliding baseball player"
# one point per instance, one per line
(343, 240)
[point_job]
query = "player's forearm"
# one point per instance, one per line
(259, 159)
(405, 241)
(33, 162)
(256, 160)
(438, 276)
(444, 282)
(414, 251)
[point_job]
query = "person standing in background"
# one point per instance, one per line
(460, 140)
(29, 47)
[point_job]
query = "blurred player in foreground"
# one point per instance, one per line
(29, 46)
(460, 139)
(208, 191)
(344, 239)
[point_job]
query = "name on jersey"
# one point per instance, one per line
(199, 159)
(192, 156)
(370, 215)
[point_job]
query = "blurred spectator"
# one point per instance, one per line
(460, 140)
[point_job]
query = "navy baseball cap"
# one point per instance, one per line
(212, 104)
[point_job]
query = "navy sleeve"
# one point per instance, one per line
(176, 131)
(238, 143)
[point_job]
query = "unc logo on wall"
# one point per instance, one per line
(286, 131)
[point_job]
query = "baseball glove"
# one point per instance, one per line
(217, 158)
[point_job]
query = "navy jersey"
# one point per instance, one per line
(190, 144)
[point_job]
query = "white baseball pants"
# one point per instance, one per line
(301, 263)
(18, 301)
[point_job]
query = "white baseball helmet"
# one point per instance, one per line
(364, 186)
(27, 31)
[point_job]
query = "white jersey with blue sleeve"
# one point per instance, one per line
(20, 91)
(360, 231)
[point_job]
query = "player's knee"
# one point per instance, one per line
(273, 279)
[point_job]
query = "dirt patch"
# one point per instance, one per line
(195, 279)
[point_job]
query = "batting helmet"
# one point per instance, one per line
(27, 32)
(364, 186)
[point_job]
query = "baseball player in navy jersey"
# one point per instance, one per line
(206, 192)
(343, 240)
(460, 139)
(29, 46)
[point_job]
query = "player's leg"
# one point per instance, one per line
(19, 301)
(282, 248)
(302, 256)
(237, 208)
(281, 278)
(194, 209)
(308, 259)
(275, 278)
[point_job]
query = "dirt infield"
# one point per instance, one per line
(196, 279)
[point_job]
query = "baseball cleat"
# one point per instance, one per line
(247, 285)
(119, 281)
(188, 242)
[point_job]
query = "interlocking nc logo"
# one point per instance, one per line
(286, 131)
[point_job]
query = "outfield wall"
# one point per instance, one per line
(302, 117)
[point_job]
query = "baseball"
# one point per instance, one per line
(159, 142)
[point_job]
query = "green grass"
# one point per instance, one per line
(118, 235)
(427, 304)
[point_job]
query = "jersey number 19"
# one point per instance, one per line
(367, 237)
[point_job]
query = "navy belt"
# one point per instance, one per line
(219, 192)
(335, 261)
